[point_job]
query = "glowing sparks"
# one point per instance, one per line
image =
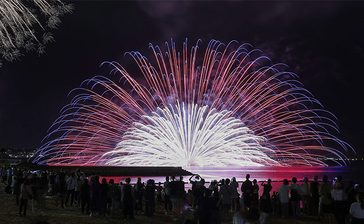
(227, 107)
(189, 135)
(20, 20)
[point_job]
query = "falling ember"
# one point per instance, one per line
(226, 107)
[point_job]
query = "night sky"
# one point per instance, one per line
(322, 42)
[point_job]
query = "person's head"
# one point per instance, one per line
(181, 178)
(294, 180)
(227, 181)
(127, 180)
(111, 181)
(255, 181)
(305, 179)
(285, 182)
(172, 177)
(247, 176)
(269, 181)
(315, 178)
(167, 178)
(97, 178)
(222, 182)
(233, 179)
(103, 181)
(139, 180)
(356, 187)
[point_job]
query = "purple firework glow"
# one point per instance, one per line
(226, 105)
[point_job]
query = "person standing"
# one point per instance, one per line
(17, 184)
(71, 186)
(247, 189)
(181, 195)
(10, 173)
(26, 193)
(255, 194)
(267, 187)
(51, 183)
(77, 190)
(283, 194)
(305, 189)
(357, 209)
(85, 196)
(352, 191)
(167, 196)
(60, 184)
(265, 203)
(325, 203)
(235, 195)
(150, 198)
(215, 190)
(95, 195)
(196, 188)
(121, 186)
(174, 194)
(339, 196)
(113, 197)
(159, 192)
(295, 197)
(139, 191)
(104, 189)
(225, 196)
(128, 199)
(315, 196)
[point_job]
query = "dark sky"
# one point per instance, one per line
(323, 42)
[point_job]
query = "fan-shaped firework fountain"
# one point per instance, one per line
(224, 106)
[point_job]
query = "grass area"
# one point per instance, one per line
(55, 215)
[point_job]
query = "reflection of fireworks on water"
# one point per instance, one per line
(230, 108)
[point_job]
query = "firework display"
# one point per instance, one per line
(20, 22)
(225, 105)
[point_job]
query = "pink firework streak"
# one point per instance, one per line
(224, 106)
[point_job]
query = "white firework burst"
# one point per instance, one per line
(21, 21)
(223, 105)
(190, 135)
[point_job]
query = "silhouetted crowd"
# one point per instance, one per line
(213, 202)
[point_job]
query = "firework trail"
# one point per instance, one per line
(19, 21)
(226, 105)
